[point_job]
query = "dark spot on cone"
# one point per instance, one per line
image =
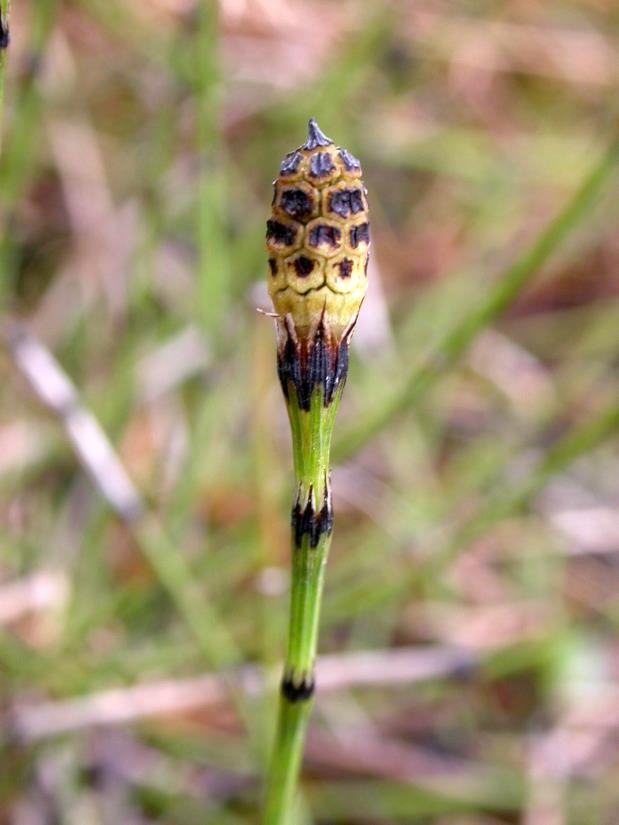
(296, 203)
(350, 161)
(273, 266)
(359, 234)
(345, 202)
(321, 164)
(290, 163)
(345, 268)
(324, 234)
(303, 266)
(279, 233)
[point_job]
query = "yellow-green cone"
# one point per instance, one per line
(317, 239)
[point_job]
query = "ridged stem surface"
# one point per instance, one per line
(312, 522)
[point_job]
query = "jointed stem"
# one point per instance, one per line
(316, 303)
(311, 538)
(308, 564)
(286, 761)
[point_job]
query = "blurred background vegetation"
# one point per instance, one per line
(471, 610)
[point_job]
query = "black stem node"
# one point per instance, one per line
(318, 364)
(297, 692)
(308, 522)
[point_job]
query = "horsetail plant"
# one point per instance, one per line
(317, 239)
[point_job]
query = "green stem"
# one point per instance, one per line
(311, 538)
(305, 598)
(286, 762)
(212, 181)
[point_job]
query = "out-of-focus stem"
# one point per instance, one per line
(4, 43)
(212, 189)
(18, 150)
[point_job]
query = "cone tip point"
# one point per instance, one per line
(315, 136)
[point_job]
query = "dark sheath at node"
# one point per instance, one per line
(308, 522)
(297, 693)
(320, 365)
(5, 36)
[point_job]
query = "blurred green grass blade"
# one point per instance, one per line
(327, 96)
(507, 501)
(22, 144)
(374, 799)
(213, 262)
(3, 58)
(194, 607)
(582, 439)
(17, 163)
(577, 442)
(506, 289)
